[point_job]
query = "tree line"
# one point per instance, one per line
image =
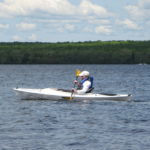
(90, 52)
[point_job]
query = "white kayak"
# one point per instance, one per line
(60, 94)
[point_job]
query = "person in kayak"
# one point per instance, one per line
(86, 84)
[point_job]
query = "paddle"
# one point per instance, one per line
(77, 75)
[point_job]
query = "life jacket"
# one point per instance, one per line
(87, 79)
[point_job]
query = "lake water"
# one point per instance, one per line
(69, 125)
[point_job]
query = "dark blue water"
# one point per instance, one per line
(69, 125)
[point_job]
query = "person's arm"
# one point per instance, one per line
(85, 88)
(77, 83)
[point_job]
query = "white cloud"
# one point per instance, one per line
(66, 27)
(4, 26)
(103, 30)
(139, 11)
(55, 7)
(145, 4)
(88, 29)
(26, 7)
(69, 27)
(134, 11)
(88, 8)
(148, 22)
(16, 38)
(129, 24)
(25, 26)
(60, 29)
(98, 21)
(59, 21)
(32, 37)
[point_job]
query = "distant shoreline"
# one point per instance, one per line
(90, 52)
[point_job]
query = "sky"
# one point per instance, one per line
(74, 20)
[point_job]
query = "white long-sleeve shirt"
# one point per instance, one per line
(86, 86)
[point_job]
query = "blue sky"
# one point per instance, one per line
(74, 20)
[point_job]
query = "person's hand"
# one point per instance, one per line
(75, 82)
(74, 90)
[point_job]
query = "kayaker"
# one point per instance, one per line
(86, 84)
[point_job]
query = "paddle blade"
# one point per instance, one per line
(77, 72)
(67, 98)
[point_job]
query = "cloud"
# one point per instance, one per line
(139, 11)
(26, 7)
(66, 27)
(98, 21)
(128, 24)
(103, 30)
(135, 11)
(4, 26)
(88, 29)
(32, 37)
(69, 27)
(59, 20)
(148, 22)
(145, 4)
(16, 38)
(11, 8)
(88, 8)
(25, 26)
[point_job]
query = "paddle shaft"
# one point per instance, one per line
(73, 87)
(77, 74)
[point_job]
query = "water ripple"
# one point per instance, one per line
(69, 125)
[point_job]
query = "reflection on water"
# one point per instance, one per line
(73, 125)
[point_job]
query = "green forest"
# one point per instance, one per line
(91, 52)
